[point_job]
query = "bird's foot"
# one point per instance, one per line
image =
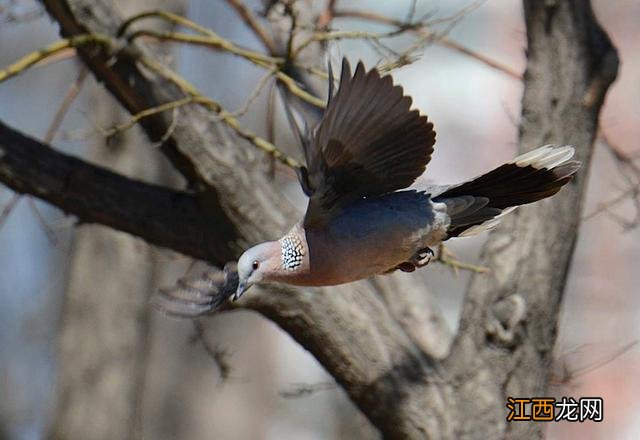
(422, 257)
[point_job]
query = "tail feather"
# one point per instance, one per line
(530, 177)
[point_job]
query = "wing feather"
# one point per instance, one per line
(368, 143)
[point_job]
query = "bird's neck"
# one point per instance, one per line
(292, 256)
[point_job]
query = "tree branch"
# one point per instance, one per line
(159, 215)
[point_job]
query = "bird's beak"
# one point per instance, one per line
(242, 286)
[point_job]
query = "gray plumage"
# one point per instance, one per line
(361, 220)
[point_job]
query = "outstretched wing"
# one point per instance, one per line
(368, 143)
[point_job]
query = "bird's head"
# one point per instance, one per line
(257, 264)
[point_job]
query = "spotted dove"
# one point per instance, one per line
(361, 219)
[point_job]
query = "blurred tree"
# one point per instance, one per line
(105, 331)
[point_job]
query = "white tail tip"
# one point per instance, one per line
(548, 156)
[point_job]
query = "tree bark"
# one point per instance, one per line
(509, 318)
(403, 385)
(158, 215)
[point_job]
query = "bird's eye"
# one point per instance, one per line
(256, 264)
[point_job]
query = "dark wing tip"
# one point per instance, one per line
(331, 82)
(303, 177)
(345, 75)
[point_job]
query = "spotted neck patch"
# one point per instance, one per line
(292, 252)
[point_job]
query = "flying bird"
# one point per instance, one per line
(361, 219)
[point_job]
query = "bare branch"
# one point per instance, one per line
(35, 57)
(447, 258)
(158, 215)
(212, 40)
(70, 96)
(425, 33)
(8, 208)
(252, 22)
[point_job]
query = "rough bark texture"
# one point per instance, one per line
(401, 380)
(158, 215)
(509, 318)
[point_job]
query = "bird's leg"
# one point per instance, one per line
(422, 257)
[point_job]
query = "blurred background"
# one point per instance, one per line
(63, 350)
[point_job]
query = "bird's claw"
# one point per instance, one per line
(423, 257)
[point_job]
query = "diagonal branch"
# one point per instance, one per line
(252, 23)
(161, 216)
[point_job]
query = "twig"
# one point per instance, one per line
(56, 122)
(68, 99)
(420, 29)
(8, 208)
(34, 57)
(270, 125)
(292, 30)
(48, 231)
(294, 88)
(264, 61)
(165, 15)
(568, 376)
(225, 116)
(193, 94)
(254, 94)
(621, 155)
(170, 129)
(218, 355)
(212, 40)
(341, 35)
(324, 19)
(70, 96)
(149, 112)
(252, 22)
(411, 13)
(624, 159)
(447, 258)
(65, 54)
(611, 203)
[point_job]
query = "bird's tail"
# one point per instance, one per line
(479, 204)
